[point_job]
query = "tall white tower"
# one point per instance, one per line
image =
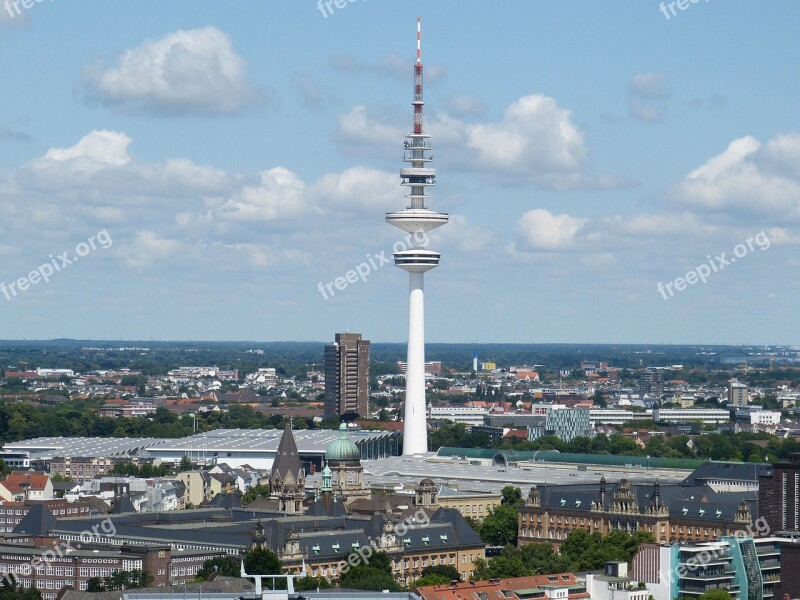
(417, 220)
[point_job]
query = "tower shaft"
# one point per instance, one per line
(416, 219)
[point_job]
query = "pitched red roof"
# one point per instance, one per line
(35, 481)
(495, 588)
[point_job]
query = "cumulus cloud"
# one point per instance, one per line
(358, 188)
(99, 169)
(147, 247)
(280, 194)
(104, 147)
(359, 126)
(187, 72)
(536, 136)
(747, 179)
(540, 229)
(535, 142)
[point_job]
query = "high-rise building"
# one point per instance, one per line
(416, 220)
(651, 383)
(737, 393)
(347, 375)
(779, 496)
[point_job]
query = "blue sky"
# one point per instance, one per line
(240, 154)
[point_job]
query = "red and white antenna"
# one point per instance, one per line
(418, 103)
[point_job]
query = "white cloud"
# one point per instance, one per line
(536, 141)
(536, 134)
(540, 229)
(99, 169)
(105, 147)
(280, 194)
(747, 179)
(358, 126)
(147, 248)
(358, 188)
(185, 72)
(461, 236)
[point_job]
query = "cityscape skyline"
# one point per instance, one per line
(634, 181)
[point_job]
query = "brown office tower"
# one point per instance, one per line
(347, 375)
(779, 496)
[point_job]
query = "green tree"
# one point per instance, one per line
(715, 595)
(374, 575)
(448, 571)
(512, 496)
(224, 565)
(433, 579)
(311, 583)
(262, 561)
(500, 526)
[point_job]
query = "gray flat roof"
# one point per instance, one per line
(404, 470)
(309, 441)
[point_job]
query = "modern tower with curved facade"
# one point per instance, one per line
(417, 220)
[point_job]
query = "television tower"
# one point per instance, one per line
(417, 220)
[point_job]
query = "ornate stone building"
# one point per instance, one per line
(686, 514)
(288, 477)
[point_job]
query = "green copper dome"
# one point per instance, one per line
(342, 448)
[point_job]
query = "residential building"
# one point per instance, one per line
(737, 393)
(82, 468)
(347, 375)
(615, 584)
(26, 485)
(651, 383)
(198, 486)
(779, 496)
(558, 586)
(432, 368)
(476, 505)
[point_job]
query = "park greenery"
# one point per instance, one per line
(581, 551)
(742, 446)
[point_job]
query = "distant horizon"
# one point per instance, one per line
(403, 343)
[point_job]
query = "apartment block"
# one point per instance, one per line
(347, 375)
